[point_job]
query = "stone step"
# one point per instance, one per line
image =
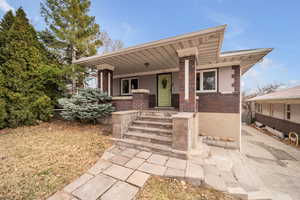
(158, 113)
(153, 124)
(155, 118)
(157, 131)
(148, 146)
(148, 137)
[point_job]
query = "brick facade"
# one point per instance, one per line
(121, 105)
(219, 103)
(284, 126)
(222, 103)
(140, 101)
(190, 104)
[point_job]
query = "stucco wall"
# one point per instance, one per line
(295, 113)
(147, 82)
(279, 111)
(226, 80)
(224, 125)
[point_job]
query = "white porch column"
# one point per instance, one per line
(187, 79)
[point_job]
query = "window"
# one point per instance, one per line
(129, 84)
(288, 111)
(271, 110)
(206, 81)
(258, 107)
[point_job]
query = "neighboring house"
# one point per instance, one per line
(188, 73)
(279, 110)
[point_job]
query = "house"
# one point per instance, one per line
(186, 83)
(279, 110)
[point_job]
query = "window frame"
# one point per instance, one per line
(129, 79)
(201, 81)
(288, 111)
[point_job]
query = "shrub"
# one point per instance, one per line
(86, 106)
(43, 108)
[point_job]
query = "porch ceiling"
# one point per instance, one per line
(161, 54)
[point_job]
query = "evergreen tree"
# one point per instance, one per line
(24, 85)
(71, 32)
(5, 26)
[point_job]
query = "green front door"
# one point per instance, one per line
(164, 90)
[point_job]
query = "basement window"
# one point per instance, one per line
(206, 80)
(129, 84)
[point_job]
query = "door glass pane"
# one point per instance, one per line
(134, 84)
(209, 80)
(125, 86)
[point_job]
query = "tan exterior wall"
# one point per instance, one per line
(147, 82)
(279, 111)
(223, 125)
(226, 80)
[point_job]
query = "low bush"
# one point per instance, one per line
(86, 106)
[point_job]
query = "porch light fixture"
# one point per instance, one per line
(146, 65)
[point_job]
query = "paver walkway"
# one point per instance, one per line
(121, 172)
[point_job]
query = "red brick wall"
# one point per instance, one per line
(219, 103)
(222, 103)
(284, 126)
(121, 105)
(140, 101)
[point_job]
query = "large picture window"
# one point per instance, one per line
(129, 84)
(206, 81)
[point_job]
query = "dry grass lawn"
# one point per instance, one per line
(37, 161)
(157, 188)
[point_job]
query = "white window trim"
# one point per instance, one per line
(286, 111)
(123, 79)
(201, 81)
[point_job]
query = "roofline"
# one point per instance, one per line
(246, 51)
(154, 43)
(274, 99)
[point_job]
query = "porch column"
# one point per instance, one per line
(105, 78)
(187, 79)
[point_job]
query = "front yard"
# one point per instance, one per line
(39, 160)
(157, 188)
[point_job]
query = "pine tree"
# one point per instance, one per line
(71, 32)
(23, 82)
(5, 26)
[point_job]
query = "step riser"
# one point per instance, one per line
(145, 118)
(161, 126)
(154, 150)
(150, 131)
(155, 141)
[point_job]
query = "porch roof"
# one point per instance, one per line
(162, 54)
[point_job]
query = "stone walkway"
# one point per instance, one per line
(121, 172)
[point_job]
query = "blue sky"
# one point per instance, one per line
(251, 24)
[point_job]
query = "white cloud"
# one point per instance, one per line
(4, 6)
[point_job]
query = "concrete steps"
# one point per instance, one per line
(157, 131)
(155, 118)
(149, 146)
(153, 124)
(149, 137)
